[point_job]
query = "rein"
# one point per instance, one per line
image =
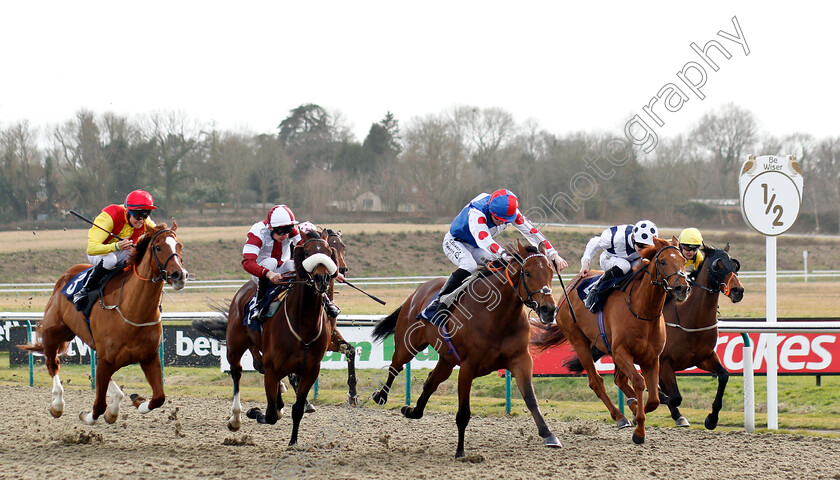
(528, 301)
(720, 288)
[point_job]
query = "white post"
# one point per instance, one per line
(770, 354)
(749, 390)
(805, 261)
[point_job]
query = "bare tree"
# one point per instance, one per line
(20, 171)
(83, 160)
(173, 137)
(728, 135)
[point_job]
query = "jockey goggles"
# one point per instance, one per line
(283, 229)
(140, 214)
(689, 248)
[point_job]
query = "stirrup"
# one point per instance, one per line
(331, 309)
(429, 312)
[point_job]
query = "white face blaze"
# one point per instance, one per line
(173, 245)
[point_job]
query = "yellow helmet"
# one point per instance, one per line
(691, 236)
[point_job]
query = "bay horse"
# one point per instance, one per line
(692, 331)
(486, 330)
(296, 336)
(124, 329)
(238, 338)
(633, 330)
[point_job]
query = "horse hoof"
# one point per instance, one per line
(459, 454)
(309, 408)
(407, 411)
(231, 427)
(352, 401)
(552, 441)
(682, 422)
(623, 423)
(710, 423)
(253, 413)
(380, 398)
(110, 417)
(55, 413)
(638, 440)
(136, 400)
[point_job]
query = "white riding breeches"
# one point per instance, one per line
(464, 255)
(270, 263)
(109, 260)
(608, 261)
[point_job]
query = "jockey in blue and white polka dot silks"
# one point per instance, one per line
(470, 239)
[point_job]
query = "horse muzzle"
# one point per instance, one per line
(681, 292)
(736, 294)
(547, 313)
(176, 279)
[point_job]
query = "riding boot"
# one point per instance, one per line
(331, 308)
(262, 289)
(592, 297)
(92, 282)
(452, 283)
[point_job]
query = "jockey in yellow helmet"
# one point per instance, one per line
(690, 242)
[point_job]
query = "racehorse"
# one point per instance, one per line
(296, 336)
(484, 331)
(125, 330)
(692, 331)
(632, 330)
(239, 338)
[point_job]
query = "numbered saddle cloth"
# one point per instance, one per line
(78, 281)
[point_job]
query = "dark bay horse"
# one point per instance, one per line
(633, 330)
(296, 337)
(238, 338)
(124, 327)
(486, 330)
(692, 331)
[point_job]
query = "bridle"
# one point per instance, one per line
(664, 282)
(310, 281)
(163, 274)
(717, 287)
(528, 300)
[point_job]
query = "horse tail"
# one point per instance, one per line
(214, 327)
(574, 364)
(36, 347)
(543, 338)
(387, 326)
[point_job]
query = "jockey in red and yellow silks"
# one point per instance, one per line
(127, 221)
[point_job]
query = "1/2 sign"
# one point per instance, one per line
(771, 202)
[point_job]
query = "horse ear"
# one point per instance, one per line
(338, 233)
(174, 225)
(675, 241)
(726, 248)
(541, 248)
(521, 248)
(324, 234)
(298, 256)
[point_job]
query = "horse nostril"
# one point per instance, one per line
(175, 275)
(342, 270)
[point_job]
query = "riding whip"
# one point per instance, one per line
(563, 286)
(382, 302)
(95, 225)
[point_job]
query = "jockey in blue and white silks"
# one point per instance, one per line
(621, 245)
(470, 239)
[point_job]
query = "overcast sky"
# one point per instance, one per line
(567, 65)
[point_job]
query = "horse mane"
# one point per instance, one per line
(142, 245)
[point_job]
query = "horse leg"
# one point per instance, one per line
(350, 352)
(116, 395)
(624, 362)
(596, 382)
(462, 418)
(522, 370)
(669, 393)
(402, 355)
(273, 399)
(235, 420)
(305, 384)
(57, 405)
(623, 384)
(712, 364)
(154, 376)
(441, 372)
(294, 381)
(104, 371)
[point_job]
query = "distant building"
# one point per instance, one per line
(365, 202)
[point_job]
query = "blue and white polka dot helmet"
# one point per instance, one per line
(644, 231)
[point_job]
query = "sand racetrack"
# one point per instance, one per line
(188, 439)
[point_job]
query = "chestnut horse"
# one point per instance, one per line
(692, 332)
(632, 331)
(296, 336)
(238, 338)
(123, 330)
(483, 332)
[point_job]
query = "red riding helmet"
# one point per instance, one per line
(139, 200)
(503, 205)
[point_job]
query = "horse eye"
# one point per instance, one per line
(717, 265)
(527, 273)
(157, 248)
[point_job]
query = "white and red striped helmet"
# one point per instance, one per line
(281, 216)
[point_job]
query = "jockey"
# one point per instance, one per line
(104, 250)
(267, 253)
(690, 242)
(621, 246)
(469, 241)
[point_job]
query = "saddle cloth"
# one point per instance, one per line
(275, 297)
(78, 281)
(604, 288)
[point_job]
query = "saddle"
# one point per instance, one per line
(604, 288)
(75, 283)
